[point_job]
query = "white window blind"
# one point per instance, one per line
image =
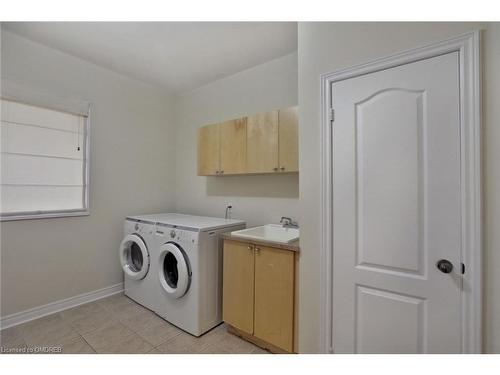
(43, 161)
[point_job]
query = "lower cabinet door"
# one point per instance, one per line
(238, 289)
(274, 296)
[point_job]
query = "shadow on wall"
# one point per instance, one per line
(269, 186)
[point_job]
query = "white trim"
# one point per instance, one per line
(44, 215)
(86, 158)
(54, 307)
(468, 47)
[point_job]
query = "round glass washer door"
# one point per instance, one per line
(134, 257)
(174, 270)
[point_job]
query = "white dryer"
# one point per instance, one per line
(189, 270)
(136, 255)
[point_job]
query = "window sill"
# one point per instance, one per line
(44, 215)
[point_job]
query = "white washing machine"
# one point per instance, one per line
(189, 270)
(136, 257)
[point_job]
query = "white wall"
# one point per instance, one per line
(131, 171)
(256, 199)
(326, 47)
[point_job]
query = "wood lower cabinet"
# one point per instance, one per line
(238, 287)
(274, 292)
(259, 294)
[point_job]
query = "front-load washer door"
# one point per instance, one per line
(174, 270)
(134, 257)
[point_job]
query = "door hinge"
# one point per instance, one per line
(332, 115)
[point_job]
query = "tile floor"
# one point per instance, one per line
(116, 325)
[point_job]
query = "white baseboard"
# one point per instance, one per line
(64, 304)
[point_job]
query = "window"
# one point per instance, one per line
(44, 169)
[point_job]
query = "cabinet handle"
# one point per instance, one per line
(275, 169)
(221, 172)
(257, 249)
(282, 168)
(250, 248)
(216, 172)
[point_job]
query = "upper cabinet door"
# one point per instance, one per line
(233, 146)
(288, 140)
(262, 142)
(208, 150)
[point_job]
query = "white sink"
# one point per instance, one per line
(269, 232)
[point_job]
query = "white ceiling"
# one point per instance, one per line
(178, 56)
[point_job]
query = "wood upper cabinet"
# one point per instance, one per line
(222, 148)
(233, 146)
(274, 296)
(238, 286)
(288, 134)
(208, 150)
(259, 293)
(262, 142)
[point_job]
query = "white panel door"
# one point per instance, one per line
(396, 209)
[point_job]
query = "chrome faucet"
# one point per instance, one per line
(287, 222)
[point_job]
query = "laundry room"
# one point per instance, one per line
(272, 186)
(116, 231)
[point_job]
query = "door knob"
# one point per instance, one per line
(444, 265)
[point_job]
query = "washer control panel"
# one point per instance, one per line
(176, 235)
(138, 227)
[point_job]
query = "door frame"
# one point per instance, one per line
(468, 47)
